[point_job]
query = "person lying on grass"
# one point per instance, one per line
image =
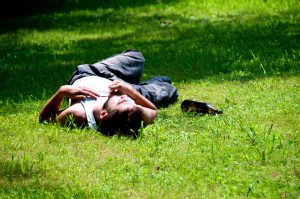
(107, 96)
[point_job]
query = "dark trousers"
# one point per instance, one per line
(128, 66)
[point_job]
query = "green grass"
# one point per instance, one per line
(241, 56)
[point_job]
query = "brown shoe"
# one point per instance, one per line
(199, 107)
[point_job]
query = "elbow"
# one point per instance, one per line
(155, 113)
(43, 119)
(152, 117)
(40, 119)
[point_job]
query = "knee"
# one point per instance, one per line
(137, 55)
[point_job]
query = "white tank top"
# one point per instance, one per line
(98, 84)
(101, 86)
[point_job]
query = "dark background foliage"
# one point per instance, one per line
(233, 47)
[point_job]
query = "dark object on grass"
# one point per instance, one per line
(199, 107)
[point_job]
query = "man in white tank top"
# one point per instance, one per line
(108, 97)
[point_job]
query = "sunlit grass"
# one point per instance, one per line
(242, 57)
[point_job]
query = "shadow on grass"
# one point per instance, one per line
(20, 8)
(20, 169)
(39, 189)
(233, 48)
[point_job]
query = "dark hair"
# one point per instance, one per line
(121, 122)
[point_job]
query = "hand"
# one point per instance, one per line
(120, 87)
(78, 93)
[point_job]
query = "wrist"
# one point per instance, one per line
(134, 95)
(61, 91)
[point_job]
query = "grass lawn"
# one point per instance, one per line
(241, 56)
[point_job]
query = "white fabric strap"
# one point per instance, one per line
(88, 107)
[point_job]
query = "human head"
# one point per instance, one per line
(120, 115)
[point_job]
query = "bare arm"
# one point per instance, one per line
(148, 114)
(51, 109)
(148, 108)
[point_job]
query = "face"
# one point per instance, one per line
(121, 102)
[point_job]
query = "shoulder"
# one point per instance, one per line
(76, 111)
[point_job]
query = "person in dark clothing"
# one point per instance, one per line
(109, 97)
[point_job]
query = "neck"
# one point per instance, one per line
(97, 110)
